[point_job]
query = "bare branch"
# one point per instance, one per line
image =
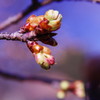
(26, 78)
(24, 37)
(17, 36)
(62, 85)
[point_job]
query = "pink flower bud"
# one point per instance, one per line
(42, 54)
(44, 60)
(79, 89)
(54, 19)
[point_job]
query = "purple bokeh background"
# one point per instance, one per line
(78, 38)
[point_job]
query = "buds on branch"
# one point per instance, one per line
(42, 54)
(43, 24)
(50, 21)
(76, 87)
(38, 28)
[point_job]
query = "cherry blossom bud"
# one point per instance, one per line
(42, 54)
(54, 19)
(50, 21)
(46, 50)
(79, 89)
(34, 20)
(44, 60)
(37, 48)
(64, 85)
(60, 94)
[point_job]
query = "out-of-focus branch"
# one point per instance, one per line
(27, 78)
(76, 87)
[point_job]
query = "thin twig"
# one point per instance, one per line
(17, 36)
(24, 37)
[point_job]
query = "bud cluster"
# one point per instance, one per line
(42, 54)
(50, 21)
(76, 87)
(41, 27)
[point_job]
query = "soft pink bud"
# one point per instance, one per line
(42, 54)
(79, 89)
(44, 60)
(54, 19)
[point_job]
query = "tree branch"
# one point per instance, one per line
(24, 37)
(66, 86)
(26, 78)
(17, 36)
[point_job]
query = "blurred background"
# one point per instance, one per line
(78, 42)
